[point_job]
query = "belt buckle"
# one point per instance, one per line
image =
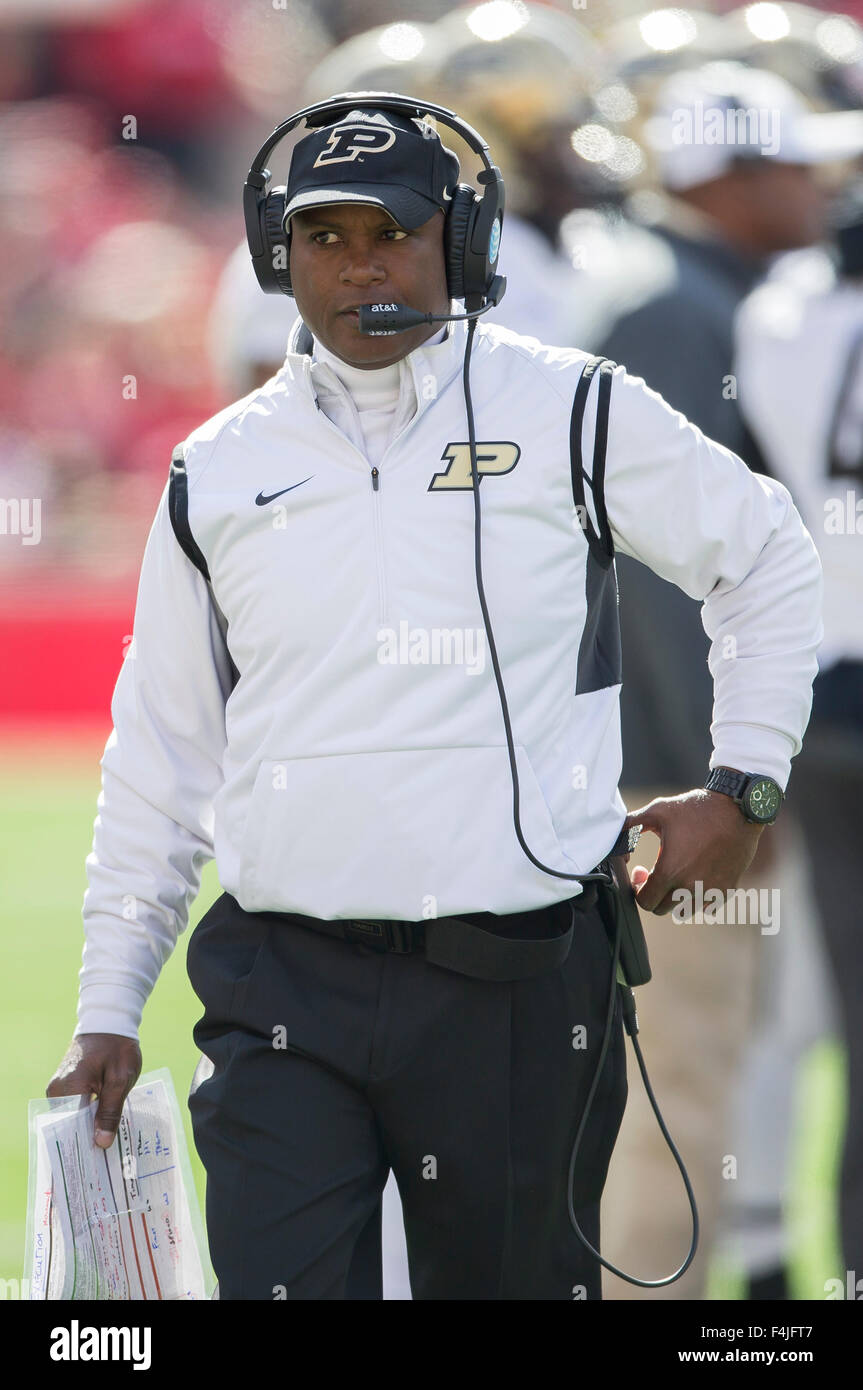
(401, 937)
(370, 934)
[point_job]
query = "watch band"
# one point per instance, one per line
(727, 781)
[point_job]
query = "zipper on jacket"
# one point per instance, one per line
(379, 545)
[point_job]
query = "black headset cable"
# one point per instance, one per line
(627, 999)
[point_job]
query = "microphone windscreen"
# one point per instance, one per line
(389, 318)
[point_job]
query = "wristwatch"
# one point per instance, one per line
(759, 798)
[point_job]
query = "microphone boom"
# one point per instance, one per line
(379, 319)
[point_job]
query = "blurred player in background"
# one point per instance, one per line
(526, 76)
(647, 48)
(821, 54)
(818, 52)
(800, 368)
(726, 208)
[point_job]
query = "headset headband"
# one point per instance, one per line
(346, 102)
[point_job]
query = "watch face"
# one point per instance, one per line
(762, 799)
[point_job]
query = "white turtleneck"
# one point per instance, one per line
(370, 405)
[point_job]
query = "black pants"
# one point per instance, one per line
(334, 1063)
(827, 787)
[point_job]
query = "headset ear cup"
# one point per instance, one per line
(275, 240)
(459, 221)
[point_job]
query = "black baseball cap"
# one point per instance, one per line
(382, 158)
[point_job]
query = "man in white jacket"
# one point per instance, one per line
(309, 700)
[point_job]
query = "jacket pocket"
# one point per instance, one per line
(398, 834)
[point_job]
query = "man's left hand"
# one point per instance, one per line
(704, 837)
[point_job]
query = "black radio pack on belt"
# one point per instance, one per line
(619, 911)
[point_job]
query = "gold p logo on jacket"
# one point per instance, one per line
(500, 457)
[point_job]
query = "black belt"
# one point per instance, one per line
(485, 945)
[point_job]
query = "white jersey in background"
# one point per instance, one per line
(799, 370)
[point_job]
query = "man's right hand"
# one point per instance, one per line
(106, 1065)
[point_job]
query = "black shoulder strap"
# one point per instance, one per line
(178, 510)
(600, 543)
(839, 466)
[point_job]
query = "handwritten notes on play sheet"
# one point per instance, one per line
(118, 1223)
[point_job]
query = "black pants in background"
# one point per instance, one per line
(827, 787)
(334, 1063)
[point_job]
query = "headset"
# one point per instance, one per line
(473, 222)
(472, 233)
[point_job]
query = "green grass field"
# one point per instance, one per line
(47, 808)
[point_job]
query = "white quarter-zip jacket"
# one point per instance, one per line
(342, 752)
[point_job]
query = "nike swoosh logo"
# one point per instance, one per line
(261, 500)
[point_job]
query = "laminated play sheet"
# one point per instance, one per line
(117, 1223)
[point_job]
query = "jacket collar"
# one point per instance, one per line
(432, 366)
